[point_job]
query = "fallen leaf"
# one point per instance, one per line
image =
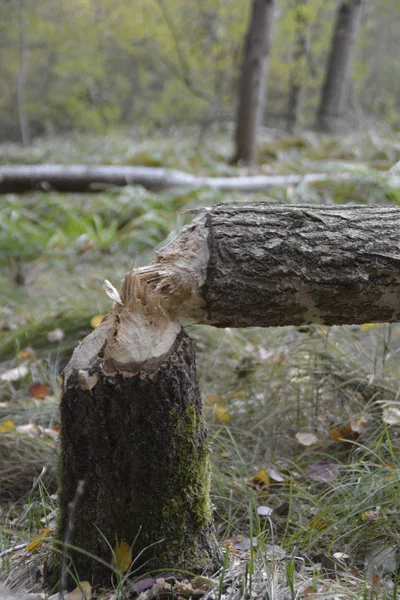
(7, 426)
(306, 439)
(366, 326)
(15, 374)
(141, 586)
(222, 414)
(323, 471)
(264, 511)
(82, 591)
(349, 432)
(122, 557)
(26, 353)
(96, 320)
(38, 390)
(308, 591)
(275, 476)
(37, 540)
(225, 455)
(29, 429)
(340, 555)
(56, 335)
(261, 479)
(391, 415)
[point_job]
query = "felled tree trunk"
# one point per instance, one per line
(83, 178)
(260, 264)
(132, 430)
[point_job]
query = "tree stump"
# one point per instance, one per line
(132, 429)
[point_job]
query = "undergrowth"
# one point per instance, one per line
(292, 516)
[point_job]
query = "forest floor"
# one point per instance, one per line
(304, 422)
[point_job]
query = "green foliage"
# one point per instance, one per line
(95, 65)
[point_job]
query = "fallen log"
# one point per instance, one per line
(260, 264)
(16, 179)
(132, 427)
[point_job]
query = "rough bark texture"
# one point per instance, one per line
(137, 439)
(297, 64)
(80, 178)
(242, 265)
(252, 87)
(334, 91)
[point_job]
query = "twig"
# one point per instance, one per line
(68, 535)
(13, 549)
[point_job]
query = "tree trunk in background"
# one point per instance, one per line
(260, 264)
(297, 63)
(133, 431)
(253, 79)
(335, 87)
(21, 79)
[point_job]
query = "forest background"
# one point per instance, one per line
(94, 65)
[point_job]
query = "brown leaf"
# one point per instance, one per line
(38, 390)
(37, 540)
(309, 591)
(122, 557)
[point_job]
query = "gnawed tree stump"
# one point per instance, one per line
(132, 429)
(131, 419)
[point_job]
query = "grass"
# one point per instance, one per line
(261, 387)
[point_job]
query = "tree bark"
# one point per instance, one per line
(81, 178)
(297, 64)
(259, 264)
(132, 430)
(252, 86)
(335, 87)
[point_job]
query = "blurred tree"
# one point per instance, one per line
(297, 71)
(335, 87)
(252, 87)
(22, 73)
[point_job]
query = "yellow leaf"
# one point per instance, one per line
(37, 540)
(7, 426)
(96, 320)
(26, 353)
(222, 414)
(367, 326)
(261, 479)
(82, 592)
(122, 557)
